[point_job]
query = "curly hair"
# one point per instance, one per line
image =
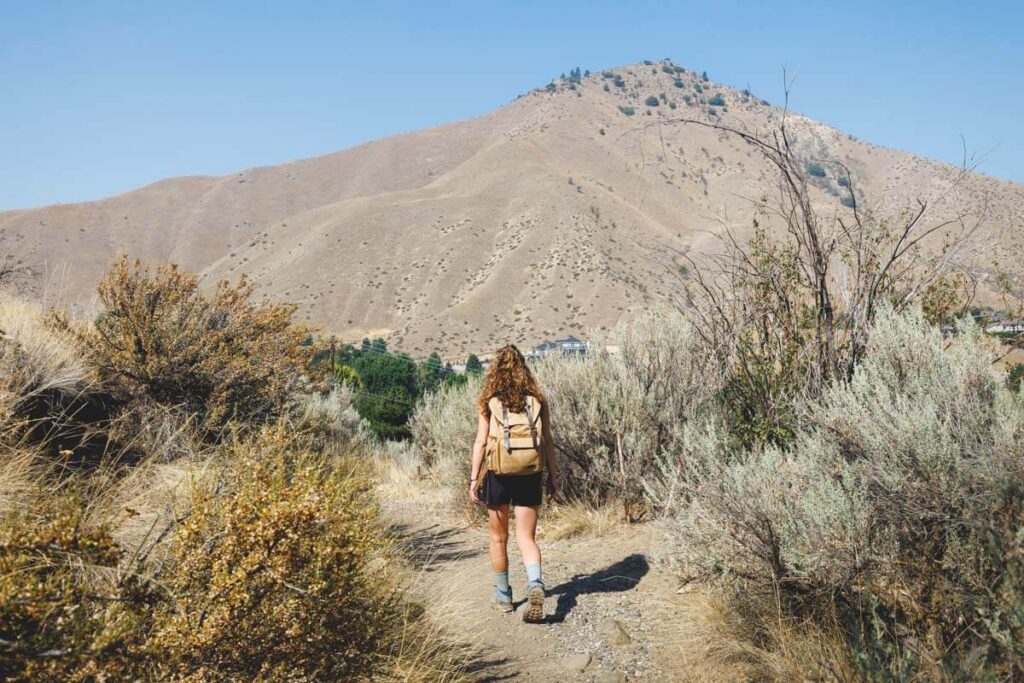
(509, 379)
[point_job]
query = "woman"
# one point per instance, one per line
(509, 380)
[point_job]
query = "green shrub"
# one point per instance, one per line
(679, 83)
(717, 101)
(882, 511)
(628, 111)
(652, 101)
(613, 413)
(388, 392)
(816, 169)
(619, 82)
(443, 428)
(1015, 376)
(600, 131)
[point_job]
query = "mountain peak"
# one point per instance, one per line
(544, 218)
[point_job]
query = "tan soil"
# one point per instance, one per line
(613, 610)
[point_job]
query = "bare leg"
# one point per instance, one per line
(526, 531)
(497, 523)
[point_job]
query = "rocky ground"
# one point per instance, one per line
(613, 611)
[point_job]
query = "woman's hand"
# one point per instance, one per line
(552, 487)
(473, 495)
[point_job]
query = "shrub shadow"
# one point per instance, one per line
(428, 548)
(618, 577)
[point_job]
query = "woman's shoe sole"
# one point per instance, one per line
(504, 607)
(534, 612)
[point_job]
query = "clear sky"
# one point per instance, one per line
(101, 97)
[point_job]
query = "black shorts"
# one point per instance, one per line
(509, 489)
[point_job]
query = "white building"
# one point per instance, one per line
(570, 346)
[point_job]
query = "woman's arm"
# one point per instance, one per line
(476, 460)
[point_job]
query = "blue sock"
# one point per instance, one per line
(501, 582)
(533, 573)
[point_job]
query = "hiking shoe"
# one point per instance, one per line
(534, 612)
(502, 601)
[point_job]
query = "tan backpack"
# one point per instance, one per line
(514, 439)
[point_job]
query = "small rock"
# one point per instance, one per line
(613, 632)
(577, 662)
(610, 677)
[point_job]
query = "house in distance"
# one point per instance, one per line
(570, 346)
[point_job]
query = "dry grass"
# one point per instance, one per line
(577, 518)
(427, 649)
(720, 640)
(35, 357)
(20, 480)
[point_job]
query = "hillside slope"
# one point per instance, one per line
(548, 216)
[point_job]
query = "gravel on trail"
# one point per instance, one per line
(611, 613)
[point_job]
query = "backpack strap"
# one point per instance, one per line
(533, 426)
(506, 431)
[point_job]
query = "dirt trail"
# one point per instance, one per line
(611, 615)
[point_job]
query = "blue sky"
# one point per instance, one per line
(102, 97)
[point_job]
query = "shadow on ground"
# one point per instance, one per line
(490, 670)
(428, 548)
(615, 578)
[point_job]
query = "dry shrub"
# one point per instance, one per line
(201, 543)
(615, 414)
(276, 579)
(221, 357)
(894, 509)
(444, 423)
(443, 428)
(264, 562)
(333, 416)
(67, 610)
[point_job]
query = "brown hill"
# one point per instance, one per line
(545, 217)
